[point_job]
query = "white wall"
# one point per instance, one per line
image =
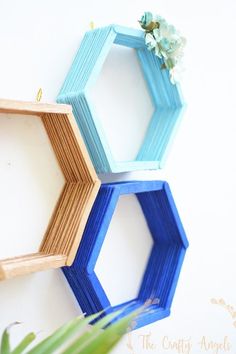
(38, 41)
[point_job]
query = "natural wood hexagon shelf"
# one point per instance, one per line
(65, 228)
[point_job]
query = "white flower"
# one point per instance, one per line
(150, 41)
(176, 73)
(158, 52)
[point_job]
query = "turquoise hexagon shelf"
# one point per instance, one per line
(166, 98)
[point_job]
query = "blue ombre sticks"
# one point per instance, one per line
(166, 99)
(163, 267)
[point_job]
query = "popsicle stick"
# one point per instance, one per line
(12, 267)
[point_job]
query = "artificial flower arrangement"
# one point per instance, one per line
(165, 41)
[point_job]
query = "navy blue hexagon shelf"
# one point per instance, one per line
(166, 98)
(162, 271)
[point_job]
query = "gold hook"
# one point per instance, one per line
(39, 95)
(92, 25)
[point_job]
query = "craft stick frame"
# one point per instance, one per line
(165, 261)
(60, 242)
(166, 98)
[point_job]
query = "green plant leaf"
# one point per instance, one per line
(60, 336)
(5, 341)
(29, 338)
(99, 338)
(96, 329)
(102, 341)
(109, 338)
